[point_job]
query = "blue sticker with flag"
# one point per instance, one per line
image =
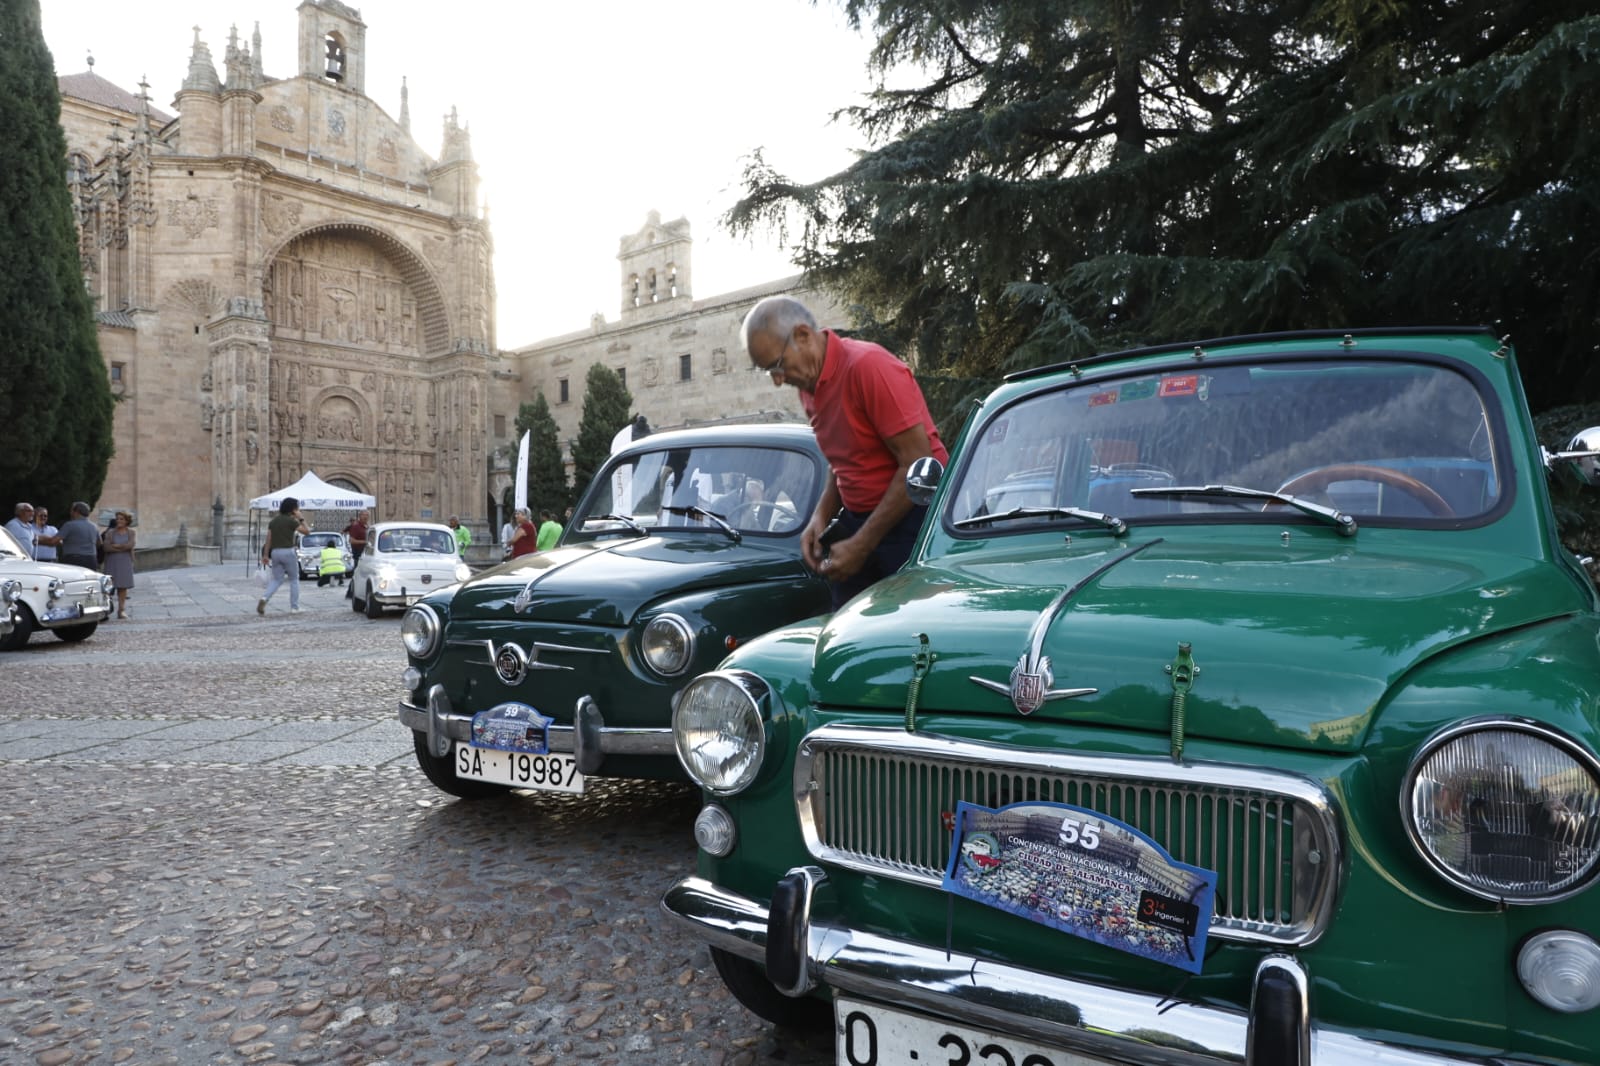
(1083, 873)
(512, 727)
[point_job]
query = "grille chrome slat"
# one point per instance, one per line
(871, 799)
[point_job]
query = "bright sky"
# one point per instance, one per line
(584, 116)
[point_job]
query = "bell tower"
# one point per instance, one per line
(655, 266)
(333, 44)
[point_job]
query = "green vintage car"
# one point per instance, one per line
(556, 667)
(1238, 704)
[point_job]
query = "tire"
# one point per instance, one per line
(23, 630)
(357, 604)
(73, 634)
(373, 608)
(442, 773)
(749, 985)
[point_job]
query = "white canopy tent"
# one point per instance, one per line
(314, 494)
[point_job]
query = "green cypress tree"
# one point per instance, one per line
(45, 315)
(1080, 175)
(547, 474)
(605, 411)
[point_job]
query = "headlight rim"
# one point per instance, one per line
(756, 691)
(684, 630)
(1484, 723)
(435, 627)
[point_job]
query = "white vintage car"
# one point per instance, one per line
(308, 548)
(70, 601)
(405, 561)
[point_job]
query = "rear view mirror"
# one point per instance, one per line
(1581, 458)
(922, 480)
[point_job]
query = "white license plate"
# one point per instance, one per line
(870, 1035)
(547, 773)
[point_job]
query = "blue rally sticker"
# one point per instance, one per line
(1083, 873)
(512, 727)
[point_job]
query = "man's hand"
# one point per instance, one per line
(845, 558)
(811, 549)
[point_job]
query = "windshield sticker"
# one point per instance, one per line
(512, 727)
(1186, 385)
(1100, 399)
(1083, 873)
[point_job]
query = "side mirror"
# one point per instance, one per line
(1580, 460)
(922, 480)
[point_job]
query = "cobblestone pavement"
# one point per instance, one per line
(215, 848)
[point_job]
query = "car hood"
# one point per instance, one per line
(36, 574)
(607, 583)
(1294, 646)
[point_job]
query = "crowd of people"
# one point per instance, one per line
(520, 536)
(79, 542)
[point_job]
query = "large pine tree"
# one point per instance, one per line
(55, 402)
(1078, 175)
(605, 411)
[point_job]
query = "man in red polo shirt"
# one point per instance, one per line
(871, 423)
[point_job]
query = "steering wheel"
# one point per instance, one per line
(1321, 478)
(754, 507)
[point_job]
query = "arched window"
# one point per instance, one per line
(334, 44)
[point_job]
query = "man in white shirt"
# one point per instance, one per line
(46, 537)
(21, 527)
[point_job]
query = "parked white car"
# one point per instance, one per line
(70, 601)
(405, 561)
(308, 547)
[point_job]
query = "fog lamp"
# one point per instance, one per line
(1560, 968)
(411, 679)
(713, 831)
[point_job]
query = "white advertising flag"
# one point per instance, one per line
(520, 496)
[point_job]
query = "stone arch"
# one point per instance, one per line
(432, 311)
(349, 479)
(336, 402)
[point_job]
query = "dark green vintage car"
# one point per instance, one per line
(554, 667)
(1238, 704)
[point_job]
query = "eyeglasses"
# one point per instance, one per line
(775, 368)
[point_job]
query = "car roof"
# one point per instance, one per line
(382, 526)
(749, 434)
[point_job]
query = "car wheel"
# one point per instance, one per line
(73, 634)
(374, 609)
(442, 773)
(749, 985)
(21, 632)
(357, 604)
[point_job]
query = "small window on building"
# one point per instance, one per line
(565, 396)
(685, 368)
(116, 372)
(636, 290)
(654, 295)
(500, 425)
(622, 372)
(672, 282)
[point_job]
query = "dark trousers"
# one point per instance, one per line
(87, 561)
(323, 579)
(890, 554)
(351, 591)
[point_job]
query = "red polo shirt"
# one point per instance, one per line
(864, 396)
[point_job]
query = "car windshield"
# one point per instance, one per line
(320, 540)
(748, 489)
(9, 548)
(437, 541)
(1394, 442)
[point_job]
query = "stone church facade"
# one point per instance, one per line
(284, 281)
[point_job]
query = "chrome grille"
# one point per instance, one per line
(875, 800)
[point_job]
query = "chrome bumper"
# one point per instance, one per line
(800, 952)
(91, 613)
(589, 739)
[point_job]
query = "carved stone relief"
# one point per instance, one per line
(194, 214)
(339, 419)
(282, 119)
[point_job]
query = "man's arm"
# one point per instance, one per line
(849, 555)
(810, 539)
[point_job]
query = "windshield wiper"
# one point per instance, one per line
(1117, 526)
(700, 512)
(1346, 524)
(624, 519)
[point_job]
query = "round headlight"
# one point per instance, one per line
(1506, 809)
(668, 645)
(1561, 969)
(718, 731)
(56, 587)
(463, 571)
(11, 589)
(107, 585)
(419, 631)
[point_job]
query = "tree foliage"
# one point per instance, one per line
(1071, 176)
(605, 411)
(55, 402)
(547, 473)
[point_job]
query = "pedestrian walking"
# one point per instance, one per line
(120, 542)
(78, 539)
(871, 422)
(278, 552)
(46, 538)
(357, 532)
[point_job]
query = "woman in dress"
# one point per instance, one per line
(119, 541)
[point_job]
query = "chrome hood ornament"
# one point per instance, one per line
(1029, 686)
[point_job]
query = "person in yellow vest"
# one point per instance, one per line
(330, 565)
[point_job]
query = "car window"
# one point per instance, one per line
(320, 540)
(9, 548)
(1395, 441)
(432, 541)
(753, 489)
